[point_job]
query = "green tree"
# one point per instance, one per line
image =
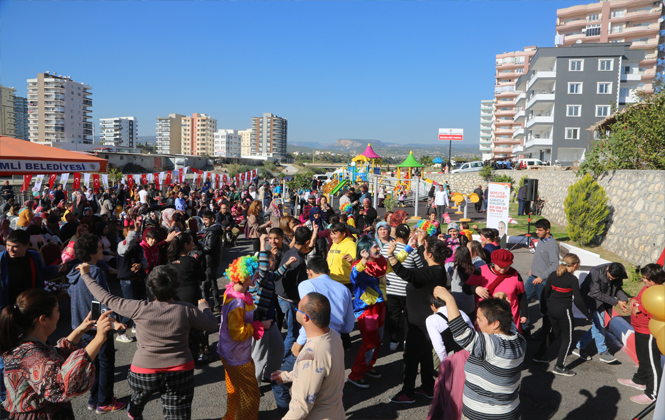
(426, 161)
(634, 140)
(114, 174)
(302, 180)
(586, 210)
(486, 173)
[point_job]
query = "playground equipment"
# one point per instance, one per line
(474, 199)
(405, 170)
(368, 162)
(458, 198)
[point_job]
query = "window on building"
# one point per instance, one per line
(602, 110)
(573, 110)
(624, 92)
(594, 17)
(575, 65)
(618, 13)
(604, 88)
(605, 65)
(572, 133)
(574, 88)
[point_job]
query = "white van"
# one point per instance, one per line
(475, 166)
(529, 162)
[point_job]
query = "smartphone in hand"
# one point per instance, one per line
(96, 310)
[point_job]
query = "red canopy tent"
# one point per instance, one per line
(20, 157)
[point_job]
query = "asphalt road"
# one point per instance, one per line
(593, 394)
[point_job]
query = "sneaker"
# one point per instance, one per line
(393, 346)
(130, 416)
(92, 407)
(581, 354)
(402, 398)
(114, 406)
(373, 374)
(641, 399)
(607, 357)
(360, 383)
(123, 338)
(425, 393)
(630, 383)
(563, 371)
(540, 359)
(134, 329)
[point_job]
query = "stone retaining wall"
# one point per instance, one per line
(636, 229)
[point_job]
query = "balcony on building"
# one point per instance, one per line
(540, 114)
(518, 133)
(519, 115)
(518, 149)
(543, 138)
(541, 80)
(544, 96)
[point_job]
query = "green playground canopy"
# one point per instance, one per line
(410, 162)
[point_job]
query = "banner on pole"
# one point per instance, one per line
(498, 203)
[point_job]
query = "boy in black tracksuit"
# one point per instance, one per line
(213, 245)
(557, 302)
(131, 272)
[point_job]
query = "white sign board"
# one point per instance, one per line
(498, 203)
(456, 134)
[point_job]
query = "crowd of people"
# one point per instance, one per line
(285, 309)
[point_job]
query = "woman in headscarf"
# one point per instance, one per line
(81, 203)
(275, 211)
(25, 214)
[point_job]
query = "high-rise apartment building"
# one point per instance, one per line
(198, 133)
(637, 22)
(569, 89)
(59, 110)
(21, 118)
(268, 137)
(227, 143)
(7, 114)
(509, 67)
(486, 109)
(119, 131)
(245, 142)
(169, 134)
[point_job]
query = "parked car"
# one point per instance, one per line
(529, 162)
(475, 166)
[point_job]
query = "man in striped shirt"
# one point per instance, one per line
(396, 287)
(491, 389)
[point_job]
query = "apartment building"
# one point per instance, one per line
(637, 22)
(227, 143)
(7, 113)
(509, 67)
(198, 133)
(119, 131)
(486, 109)
(569, 89)
(169, 134)
(268, 138)
(21, 118)
(59, 110)
(245, 142)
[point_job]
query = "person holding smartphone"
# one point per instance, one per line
(46, 377)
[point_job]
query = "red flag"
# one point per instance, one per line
(216, 180)
(51, 180)
(156, 180)
(26, 183)
(77, 181)
(181, 175)
(95, 181)
(254, 173)
(130, 181)
(144, 179)
(198, 178)
(168, 178)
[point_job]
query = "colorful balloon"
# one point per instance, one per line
(660, 341)
(653, 300)
(656, 327)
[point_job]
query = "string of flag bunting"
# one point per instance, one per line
(160, 179)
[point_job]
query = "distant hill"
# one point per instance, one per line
(357, 146)
(147, 139)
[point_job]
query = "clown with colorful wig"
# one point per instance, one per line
(347, 208)
(235, 340)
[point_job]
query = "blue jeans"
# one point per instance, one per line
(596, 332)
(281, 392)
(292, 326)
(132, 289)
(3, 391)
(520, 208)
(533, 291)
(101, 393)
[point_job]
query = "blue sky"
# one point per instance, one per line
(393, 71)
